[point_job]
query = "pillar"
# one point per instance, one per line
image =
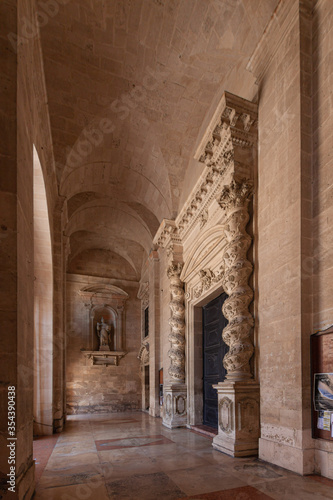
(175, 392)
(238, 395)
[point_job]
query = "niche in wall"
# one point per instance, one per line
(105, 307)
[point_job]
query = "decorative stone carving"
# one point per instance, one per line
(248, 410)
(143, 355)
(180, 402)
(106, 358)
(168, 405)
(237, 270)
(175, 406)
(104, 335)
(203, 217)
(177, 323)
(207, 279)
(226, 415)
(100, 300)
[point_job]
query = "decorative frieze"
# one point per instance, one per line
(207, 279)
(177, 324)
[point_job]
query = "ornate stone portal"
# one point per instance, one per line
(211, 232)
(230, 143)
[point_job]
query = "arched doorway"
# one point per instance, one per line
(43, 307)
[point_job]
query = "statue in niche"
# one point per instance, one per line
(104, 335)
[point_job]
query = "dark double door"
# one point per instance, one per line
(214, 350)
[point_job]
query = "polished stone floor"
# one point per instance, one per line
(131, 456)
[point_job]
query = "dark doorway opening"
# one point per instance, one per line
(214, 350)
(147, 387)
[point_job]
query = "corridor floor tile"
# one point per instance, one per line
(204, 479)
(299, 487)
(78, 491)
(243, 493)
(137, 468)
(145, 487)
(138, 441)
(42, 449)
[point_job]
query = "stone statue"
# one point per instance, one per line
(104, 335)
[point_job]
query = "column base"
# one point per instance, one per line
(238, 413)
(175, 406)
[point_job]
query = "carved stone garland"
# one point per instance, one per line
(177, 323)
(237, 270)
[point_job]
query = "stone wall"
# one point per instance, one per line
(101, 388)
(23, 102)
(321, 266)
(294, 262)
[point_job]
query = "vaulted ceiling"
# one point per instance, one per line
(129, 85)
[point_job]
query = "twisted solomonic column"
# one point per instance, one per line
(177, 323)
(237, 334)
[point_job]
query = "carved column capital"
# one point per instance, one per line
(174, 270)
(236, 195)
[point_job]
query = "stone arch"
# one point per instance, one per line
(43, 306)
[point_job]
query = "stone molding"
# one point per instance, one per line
(226, 420)
(92, 293)
(143, 354)
(233, 125)
(226, 151)
(177, 324)
(175, 406)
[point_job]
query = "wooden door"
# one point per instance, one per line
(214, 350)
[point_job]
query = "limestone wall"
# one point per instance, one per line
(101, 388)
(322, 263)
(293, 287)
(23, 105)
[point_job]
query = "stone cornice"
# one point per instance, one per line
(234, 123)
(227, 151)
(285, 14)
(166, 233)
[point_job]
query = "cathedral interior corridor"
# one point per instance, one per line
(132, 456)
(166, 249)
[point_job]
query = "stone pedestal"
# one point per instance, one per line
(238, 412)
(175, 406)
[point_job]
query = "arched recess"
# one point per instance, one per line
(107, 301)
(43, 307)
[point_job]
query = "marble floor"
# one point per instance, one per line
(131, 456)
